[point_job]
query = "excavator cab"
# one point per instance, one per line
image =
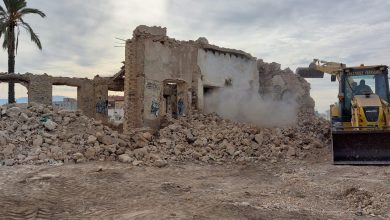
(361, 118)
(358, 82)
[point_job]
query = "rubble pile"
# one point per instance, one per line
(37, 134)
(211, 138)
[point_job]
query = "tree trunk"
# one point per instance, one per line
(11, 63)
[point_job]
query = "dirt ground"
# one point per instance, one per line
(302, 190)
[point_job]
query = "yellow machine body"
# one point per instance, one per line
(361, 119)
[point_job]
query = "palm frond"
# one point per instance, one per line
(32, 11)
(5, 41)
(17, 5)
(3, 28)
(14, 5)
(3, 25)
(11, 17)
(7, 4)
(2, 11)
(34, 36)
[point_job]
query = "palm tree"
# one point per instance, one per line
(10, 22)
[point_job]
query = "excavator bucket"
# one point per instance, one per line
(370, 147)
(307, 72)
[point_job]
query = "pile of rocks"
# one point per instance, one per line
(36, 134)
(209, 138)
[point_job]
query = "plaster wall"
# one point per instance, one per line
(152, 103)
(164, 61)
(216, 67)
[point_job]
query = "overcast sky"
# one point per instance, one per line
(78, 37)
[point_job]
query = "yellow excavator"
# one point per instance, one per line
(361, 118)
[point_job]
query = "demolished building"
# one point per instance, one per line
(167, 76)
(163, 76)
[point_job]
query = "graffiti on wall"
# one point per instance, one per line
(101, 106)
(152, 99)
(181, 107)
(155, 107)
(152, 86)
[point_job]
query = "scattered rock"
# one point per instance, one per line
(9, 150)
(124, 158)
(78, 155)
(160, 163)
(90, 153)
(23, 117)
(91, 139)
(13, 112)
(50, 125)
(148, 136)
(190, 137)
(38, 141)
(106, 139)
(111, 148)
(259, 138)
(137, 162)
(42, 156)
(3, 140)
(230, 149)
(291, 152)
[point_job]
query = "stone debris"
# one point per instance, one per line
(209, 138)
(38, 134)
(364, 202)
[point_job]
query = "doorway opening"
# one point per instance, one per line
(175, 98)
(169, 106)
(116, 103)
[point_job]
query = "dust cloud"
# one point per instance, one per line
(247, 106)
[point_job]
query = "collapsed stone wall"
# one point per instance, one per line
(152, 63)
(279, 84)
(152, 58)
(92, 94)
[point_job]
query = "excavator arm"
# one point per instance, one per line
(317, 68)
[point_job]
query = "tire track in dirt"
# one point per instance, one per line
(45, 196)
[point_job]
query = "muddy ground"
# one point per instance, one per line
(301, 190)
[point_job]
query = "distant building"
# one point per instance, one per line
(116, 108)
(66, 104)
